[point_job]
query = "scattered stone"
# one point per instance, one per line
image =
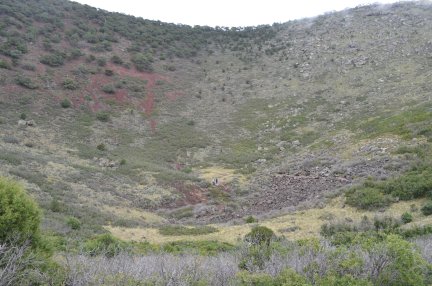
(104, 162)
(30, 123)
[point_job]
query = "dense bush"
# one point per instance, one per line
(26, 82)
(406, 217)
(105, 244)
(367, 198)
(116, 60)
(200, 247)
(109, 88)
(70, 84)
(142, 62)
(19, 214)
(250, 219)
(101, 147)
(65, 103)
(103, 116)
(73, 223)
(55, 59)
(5, 65)
(427, 208)
(414, 184)
(260, 235)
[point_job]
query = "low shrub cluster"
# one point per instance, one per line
(54, 59)
(416, 183)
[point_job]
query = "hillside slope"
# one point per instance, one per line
(125, 122)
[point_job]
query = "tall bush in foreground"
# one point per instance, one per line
(19, 214)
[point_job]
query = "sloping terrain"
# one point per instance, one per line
(125, 122)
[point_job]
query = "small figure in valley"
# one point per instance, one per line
(215, 181)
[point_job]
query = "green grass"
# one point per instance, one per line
(405, 124)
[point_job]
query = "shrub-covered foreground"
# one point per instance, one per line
(389, 260)
(370, 253)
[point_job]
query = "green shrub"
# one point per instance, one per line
(427, 208)
(28, 67)
(183, 230)
(406, 217)
(289, 277)
(101, 147)
(405, 266)
(55, 206)
(105, 244)
(414, 184)
(70, 84)
(101, 62)
(26, 82)
(90, 58)
(103, 116)
(386, 223)
(347, 280)
(19, 214)
(65, 103)
(75, 54)
(109, 72)
(200, 247)
(73, 223)
(260, 235)
(116, 60)
(367, 198)
(55, 59)
(23, 116)
(245, 278)
(5, 65)
(109, 88)
(251, 219)
(142, 62)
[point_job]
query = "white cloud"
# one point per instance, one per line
(225, 12)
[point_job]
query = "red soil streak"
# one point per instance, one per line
(78, 101)
(95, 106)
(94, 89)
(148, 103)
(121, 96)
(192, 195)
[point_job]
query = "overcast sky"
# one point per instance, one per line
(227, 13)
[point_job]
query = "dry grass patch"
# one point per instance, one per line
(224, 175)
(134, 214)
(297, 225)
